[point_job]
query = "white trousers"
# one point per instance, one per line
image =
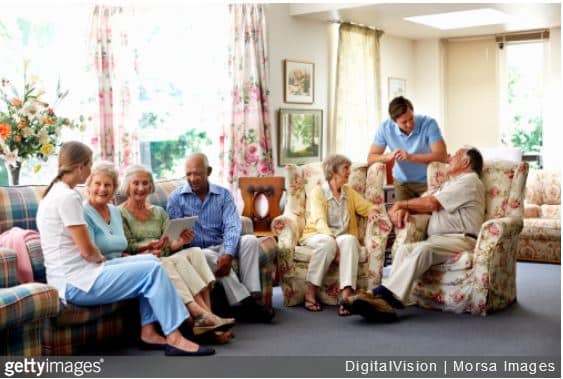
(248, 257)
(324, 253)
(189, 271)
(414, 259)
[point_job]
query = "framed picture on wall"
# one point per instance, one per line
(300, 136)
(299, 82)
(397, 87)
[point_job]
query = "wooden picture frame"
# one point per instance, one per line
(300, 136)
(299, 82)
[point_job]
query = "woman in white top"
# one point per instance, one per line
(78, 270)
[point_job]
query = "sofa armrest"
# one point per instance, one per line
(286, 228)
(27, 303)
(413, 231)
(247, 225)
(375, 242)
(8, 273)
(495, 251)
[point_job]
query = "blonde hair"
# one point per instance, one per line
(71, 155)
(105, 168)
(129, 172)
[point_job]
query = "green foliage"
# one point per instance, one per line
(529, 142)
(165, 154)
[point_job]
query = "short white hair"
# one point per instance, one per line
(104, 168)
(129, 172)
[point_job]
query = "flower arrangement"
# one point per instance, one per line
(29, 127)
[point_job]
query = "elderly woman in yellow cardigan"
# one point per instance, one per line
(332, 231)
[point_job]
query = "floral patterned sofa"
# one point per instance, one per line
(482, 280)
(540, 239)
(34, 322)
(293, 259)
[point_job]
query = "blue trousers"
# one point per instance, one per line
(139, 276)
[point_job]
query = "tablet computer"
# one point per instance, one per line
(175, 227)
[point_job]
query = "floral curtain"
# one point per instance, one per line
(246, 144)
(115, 63)
(358, 95)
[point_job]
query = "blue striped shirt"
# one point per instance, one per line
(218, 222)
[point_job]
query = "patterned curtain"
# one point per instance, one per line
(246, 143)
(358, 95)
(115, 63)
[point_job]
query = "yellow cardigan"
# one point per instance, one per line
(317, 222)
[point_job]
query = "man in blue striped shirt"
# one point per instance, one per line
(217, 233)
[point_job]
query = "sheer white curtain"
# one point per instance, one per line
(357, 109)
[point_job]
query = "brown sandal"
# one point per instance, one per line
(208, 322)
(312, 306)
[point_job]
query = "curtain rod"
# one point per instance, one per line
(355, 24)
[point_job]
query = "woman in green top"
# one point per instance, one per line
(144, 225)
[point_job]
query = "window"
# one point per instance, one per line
(522, 101)
(183, 81)
(181, 70)
(53, 43)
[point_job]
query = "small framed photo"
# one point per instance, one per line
(299, 82)
(300, 136)
(397, 87)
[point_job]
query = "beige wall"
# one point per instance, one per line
(397, 57)
(297, 39)
(428, 97)
(472, 106)
(552, 116)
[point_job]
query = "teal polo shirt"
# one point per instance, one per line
(425, 133)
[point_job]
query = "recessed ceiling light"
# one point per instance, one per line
(462, 19)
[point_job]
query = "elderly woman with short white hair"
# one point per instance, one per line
(144, 225)
(332, 231)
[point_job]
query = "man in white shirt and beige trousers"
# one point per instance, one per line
(457, 211)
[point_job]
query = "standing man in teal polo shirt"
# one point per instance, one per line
(413, 141)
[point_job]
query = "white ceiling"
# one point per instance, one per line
(389, 17)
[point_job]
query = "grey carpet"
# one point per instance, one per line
(531, 326)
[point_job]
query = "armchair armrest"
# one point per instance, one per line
(495, 251)
(375, 242)
(8, 276)
(287, 228)
(247, 225)
(413, 231)
(27, 303)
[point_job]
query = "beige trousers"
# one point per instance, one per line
(189, 272)
(405, 191)
(414, 259)
(324, 253)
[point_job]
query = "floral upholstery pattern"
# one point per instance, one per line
(293, 260)
(482, 280)
(540, 239)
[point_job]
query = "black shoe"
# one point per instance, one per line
(388, 296)
(252, 311)
(371, 307)
(172, 351)
(151, 346)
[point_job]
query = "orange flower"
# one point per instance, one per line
(16, 102)
(22, 124)
(48, 121)
(18, 138)
(5, 130)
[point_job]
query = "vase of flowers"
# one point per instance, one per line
(29, 126)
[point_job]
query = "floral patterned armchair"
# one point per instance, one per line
(540, 240)
(293, 259)
(482, 280)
